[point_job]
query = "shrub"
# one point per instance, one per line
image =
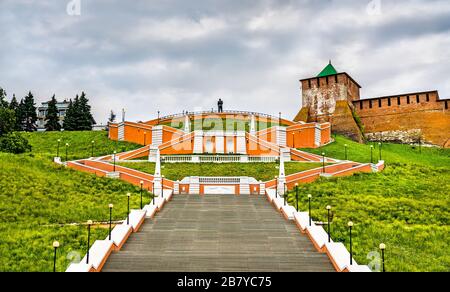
(14, 143)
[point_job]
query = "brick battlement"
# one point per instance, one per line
(418, 101)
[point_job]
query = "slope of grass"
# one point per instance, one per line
(40, 200)
(259, 171)
(407, 206)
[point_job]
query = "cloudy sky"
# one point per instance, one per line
(171, 55)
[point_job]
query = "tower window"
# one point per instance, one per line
(417, 98)
(428, 97)
(398, 100)
(309, 83)
(361, 104)
(327, 80)
(370, 104)
(336, 78)
(318, 82)
(446, 105)
(408, 101)
(379, 102)
(389, 101)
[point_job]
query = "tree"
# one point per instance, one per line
(20, 116)
(3, 102)
(14, 105)
(7, 121)
(85, 120)
(52, 117)
(112, 117)
(28, 113)
(69, 119)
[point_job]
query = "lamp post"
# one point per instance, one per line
(67, 146)
(371, 154)
(92, 148)
(162, 186)
(379, 148)
(128, 209)
(323, 162)
(111, 206)
(114, 160)
(89, 223)
(293, 139)
(153, 190)
(309, 208)
(276, 186)
(279, 118)
(328, 223)
(296, 195)
(158, 117)
(350, 225)
(145, 138)
(55, 247)
(382, 248)
(57, 149)
(142, 185)
(346, 152)
(284, 193)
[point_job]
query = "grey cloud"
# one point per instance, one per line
(174, 55)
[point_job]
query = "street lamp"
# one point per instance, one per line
(296, 194)
(309, 208)
(371, 154)
(162, 186)
(323, 162)
(142, 185)
(145, 138)
(293, 139)
(67, 146)
(89, 223)
(57, 149)
(153, 191)
(346, 154)
(158, 117)
(382, 248)
(92, 148)
(55, 246)
(276, 186)
(284, 193)
(111, 206)
(329, 218)
(114, 160)
(350, 225)
(379, 147)
(128, 209)
(279, 118)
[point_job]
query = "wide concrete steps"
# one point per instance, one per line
(218, 233)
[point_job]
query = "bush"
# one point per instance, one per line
(14, 143)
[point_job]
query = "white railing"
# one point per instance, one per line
(219, 180)
(218, 159)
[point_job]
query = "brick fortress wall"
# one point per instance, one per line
(400, 118)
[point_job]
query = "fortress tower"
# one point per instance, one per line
(413, 117)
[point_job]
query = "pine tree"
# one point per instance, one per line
(29, 113)
(3, 102)
(14, 105)
(85, 120)
(52, 117)
(112, 117)
(20, 118)
(69, 119)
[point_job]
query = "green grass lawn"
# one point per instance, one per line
(259, 171)
(407, 206)
(38, 201)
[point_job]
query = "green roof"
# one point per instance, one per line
(327, 71)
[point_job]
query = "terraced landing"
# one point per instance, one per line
(218, 233)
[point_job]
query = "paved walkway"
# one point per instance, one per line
(218, 233)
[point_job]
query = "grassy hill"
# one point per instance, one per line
(41, 202)
(407, 206)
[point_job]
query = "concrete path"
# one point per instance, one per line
(218, 233)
